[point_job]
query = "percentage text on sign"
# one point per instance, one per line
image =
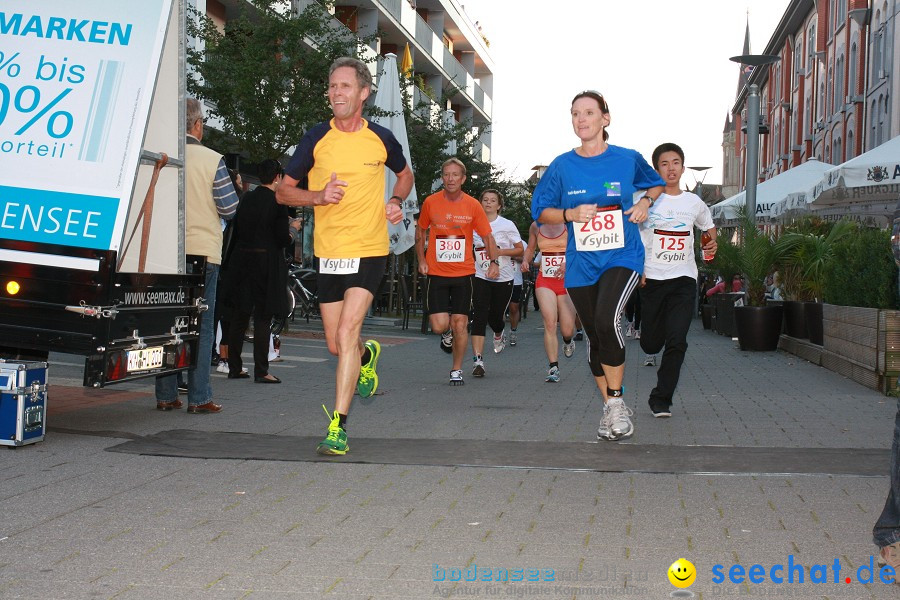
(27, 100)
(12, 68)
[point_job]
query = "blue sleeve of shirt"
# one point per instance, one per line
(645, 176)
(396, 162)
(223, 193)
(302, 160)
(548, 193)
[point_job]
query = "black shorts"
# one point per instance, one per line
(517, 293)
(451, 295)
(331, 288)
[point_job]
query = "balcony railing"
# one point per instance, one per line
(433, 46)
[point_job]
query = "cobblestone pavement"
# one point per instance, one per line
(78, 521)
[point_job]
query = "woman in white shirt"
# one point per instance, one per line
(490, 297)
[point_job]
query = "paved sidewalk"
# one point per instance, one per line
(79, 521)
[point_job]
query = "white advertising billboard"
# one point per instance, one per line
(76, 84)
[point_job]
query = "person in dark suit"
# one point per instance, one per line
(256, 278)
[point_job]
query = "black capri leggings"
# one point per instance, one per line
(599, 306)
(489, 302)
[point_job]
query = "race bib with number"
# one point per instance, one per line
(338, 266)
(450, 248)
(606, 231)
(672, 247)
(551, 262)
(483, 259)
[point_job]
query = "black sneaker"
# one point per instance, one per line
(661, 411)
(579, 335)
(182, 388)
(447, 342)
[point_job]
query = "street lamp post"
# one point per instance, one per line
(752, 149)
(752, 169)
(698, 185)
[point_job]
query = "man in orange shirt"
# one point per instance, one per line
(450, 216)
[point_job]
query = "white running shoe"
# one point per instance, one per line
(499, 343)
(603, 432)
(637, 334)
(649, 360)
(456, 377)
(513, 338)
(569, 349)
(620, 425)
(629, 331)
(478, 368)
(553, 375)
(222, 367)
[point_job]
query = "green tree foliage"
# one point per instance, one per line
(263, 76)
(726, 260)
(806, 254)
(862, 271)
(430, 136)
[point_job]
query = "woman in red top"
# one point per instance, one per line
(550, 290)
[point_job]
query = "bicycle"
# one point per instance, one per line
(302, 298)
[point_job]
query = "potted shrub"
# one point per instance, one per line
(809, 254)
(758, 325)
(791, 270)
(726, 264)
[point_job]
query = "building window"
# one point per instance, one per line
(836, 155)
(831, 106)
(820, 109)
(798, 60)
(877, 43)
(831, 15)
(884, 136)
(851, 79)
(778, 83)
(807, 108)
(839, 84)
(793, 134)
(810, 48)
(851, 148)
(873, 114)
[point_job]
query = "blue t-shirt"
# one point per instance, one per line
(609, 179)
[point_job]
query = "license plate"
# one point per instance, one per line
(145, 358)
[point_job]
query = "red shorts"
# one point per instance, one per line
(558, 286)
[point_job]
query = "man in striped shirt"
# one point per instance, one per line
(209, 197)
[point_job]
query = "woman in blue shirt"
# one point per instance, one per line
(591, 190)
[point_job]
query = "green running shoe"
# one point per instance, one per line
(336, 440)
(368, 378)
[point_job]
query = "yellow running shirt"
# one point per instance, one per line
(356, 227)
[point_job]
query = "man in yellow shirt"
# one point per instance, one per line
(342, 162)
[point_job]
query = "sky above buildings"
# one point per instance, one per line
(662, 66)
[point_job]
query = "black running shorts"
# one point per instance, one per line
(451, 295)
(331, 288)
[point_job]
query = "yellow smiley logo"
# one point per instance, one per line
(682, 573)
